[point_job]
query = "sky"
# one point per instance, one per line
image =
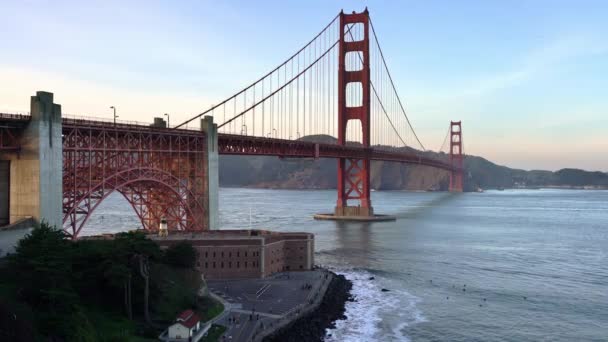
(528, 79)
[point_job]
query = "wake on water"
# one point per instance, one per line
(375, 315)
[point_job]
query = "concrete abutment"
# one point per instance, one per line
(34, 176)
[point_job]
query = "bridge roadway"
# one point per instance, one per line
(230, 144)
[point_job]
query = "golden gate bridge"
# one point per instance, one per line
(333, 98)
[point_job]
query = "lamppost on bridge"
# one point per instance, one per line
(115, 116)
(275, 132)
(168, 125)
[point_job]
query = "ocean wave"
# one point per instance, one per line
(375, 315)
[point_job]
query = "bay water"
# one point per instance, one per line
(513, 265)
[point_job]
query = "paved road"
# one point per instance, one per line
(257, 302)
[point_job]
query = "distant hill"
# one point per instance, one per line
(273, 172)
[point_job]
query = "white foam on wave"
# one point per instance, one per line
(375, 315)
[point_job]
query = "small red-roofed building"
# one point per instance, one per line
(186, 326)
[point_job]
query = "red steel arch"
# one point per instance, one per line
(159, 171)
(152, 193)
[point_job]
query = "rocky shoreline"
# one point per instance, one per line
(312, 327)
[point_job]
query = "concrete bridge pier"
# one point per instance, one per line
(212, 175)
(35, 173)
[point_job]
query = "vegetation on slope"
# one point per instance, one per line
(55, 289)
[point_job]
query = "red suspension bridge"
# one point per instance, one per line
(333, 98)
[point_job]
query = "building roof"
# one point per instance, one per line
(185, 315)
(188, 319)
(191, 322)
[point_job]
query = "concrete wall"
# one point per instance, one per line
(9, 239)
(4, 191)
(211, 200)
(179, 331)
(246, 254)
(36, 188)
(229, 262)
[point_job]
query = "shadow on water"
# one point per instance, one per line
(353, 240)
(424, 207)
(356, 240)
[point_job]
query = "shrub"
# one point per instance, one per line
(181, 254)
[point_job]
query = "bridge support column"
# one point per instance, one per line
(354, 174)
(212, 175)
(456, 157)
(36, 188)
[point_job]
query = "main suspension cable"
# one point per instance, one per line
(261, 78)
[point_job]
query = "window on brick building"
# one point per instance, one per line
(214, 254)
(230, 254)
(222, 264)
(222, 254)
(238, 264)
(238, 254)
(214, 264)
(245, 264)
(301, 267)
(206, 265)
(206, 254)
(229, 264)
(245, 253)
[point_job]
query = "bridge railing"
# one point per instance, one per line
(18, 116)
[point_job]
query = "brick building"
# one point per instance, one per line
(232, 254)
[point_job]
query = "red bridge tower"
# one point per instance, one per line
(456, 156)
(354, 174)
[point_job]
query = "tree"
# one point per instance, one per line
(42, 267)
(181, 254)
(15, 322)
(119, 276)
(144, 271)
(135, 242)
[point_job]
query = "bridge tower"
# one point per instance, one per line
(354, 174)
(456, 157)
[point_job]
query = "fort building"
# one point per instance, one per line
(237, 254)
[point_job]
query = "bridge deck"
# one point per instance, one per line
(232, 144)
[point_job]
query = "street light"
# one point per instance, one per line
(115, 116)
(167, 115)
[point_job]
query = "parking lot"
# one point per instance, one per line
(255, 302)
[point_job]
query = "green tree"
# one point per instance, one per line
(42, 269)
(136, 243)
(181, 254)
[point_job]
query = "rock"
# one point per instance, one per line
(385, 290)
(371, 278)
